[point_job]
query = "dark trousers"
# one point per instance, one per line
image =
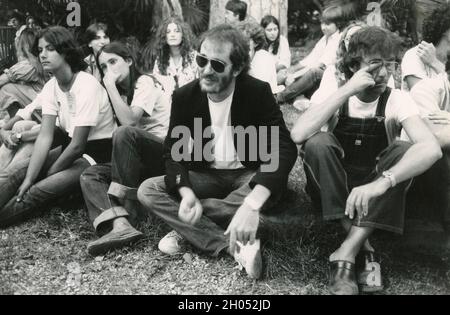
(221, 192)
(110, 190)
(306, 84)
(330, 181)
(431, 191)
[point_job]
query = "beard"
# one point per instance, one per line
(214, 83)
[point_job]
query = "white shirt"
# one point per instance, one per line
(400, 106)
(283, 56)
(224, 152)
(155, 102)
(324, 51)
(263, 68)
(412, 65)
(432, 95)
(85, 105)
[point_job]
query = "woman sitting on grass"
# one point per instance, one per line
(278, 46)
(142, 106)
(81, 105)
(20, 84)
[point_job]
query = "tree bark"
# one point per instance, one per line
(257, 9)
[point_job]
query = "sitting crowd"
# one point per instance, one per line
(194, 134)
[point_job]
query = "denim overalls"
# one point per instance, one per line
(362, 140)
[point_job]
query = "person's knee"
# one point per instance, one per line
(122, 134)
(88, 176)
(319, 144)
(23, 125)
(146, 193)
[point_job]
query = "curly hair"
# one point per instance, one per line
(255, 32)
(162, 49)
(437, 24)
(66, 45)
(367, 41)
(239, 56)
(342, 49)
(268, 19)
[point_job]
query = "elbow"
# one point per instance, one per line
(435, 152)
(298, 136)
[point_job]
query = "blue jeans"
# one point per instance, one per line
(44, 191)
(305, 85)
(221, 192)
(110, 190)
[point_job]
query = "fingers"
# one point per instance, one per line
(350, 206)
(20, 194)
(365, 207)
(372, 67)
(233, 242)
(358, 205)
(198, 212)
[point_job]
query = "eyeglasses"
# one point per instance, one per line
(217, 65)
(391, 66)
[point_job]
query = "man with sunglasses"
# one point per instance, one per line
(214, 201)
(357, 170)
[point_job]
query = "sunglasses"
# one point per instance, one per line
(217, 65)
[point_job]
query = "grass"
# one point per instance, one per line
(48, 255)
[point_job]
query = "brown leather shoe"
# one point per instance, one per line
(114, 240)
(342, 278)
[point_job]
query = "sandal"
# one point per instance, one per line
(369, 272)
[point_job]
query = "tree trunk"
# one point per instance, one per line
(256, 10)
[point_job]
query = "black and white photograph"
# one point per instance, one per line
(224, 153)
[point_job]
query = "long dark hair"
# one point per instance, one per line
(65, 44)
(92, 30)
(122, 50)
(264, 23)
(162, 49)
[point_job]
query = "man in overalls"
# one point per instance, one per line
(356, 168)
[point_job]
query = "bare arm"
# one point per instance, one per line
(319, 114)
(40, 153)
(74, 151)
(127, 116)
(412, 80)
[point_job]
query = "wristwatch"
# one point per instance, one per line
(389, 175)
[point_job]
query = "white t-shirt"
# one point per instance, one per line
(432, 95)
(324, 51)
(263, 68)
(283, 56)
(155, 102)
(412, 65)
(225, 155)
(85, 105)
(400, 106)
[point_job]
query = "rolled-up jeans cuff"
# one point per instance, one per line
(109, 215)
(122, 192)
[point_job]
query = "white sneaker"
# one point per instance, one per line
(171, 244)
(249, 257)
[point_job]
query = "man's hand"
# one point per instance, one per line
(360, 197)
(362, 79)
(441, 117)
(26, 185)
(191, 210)
(243, 227)
(11, 141)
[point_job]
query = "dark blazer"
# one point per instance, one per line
(253, 105)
